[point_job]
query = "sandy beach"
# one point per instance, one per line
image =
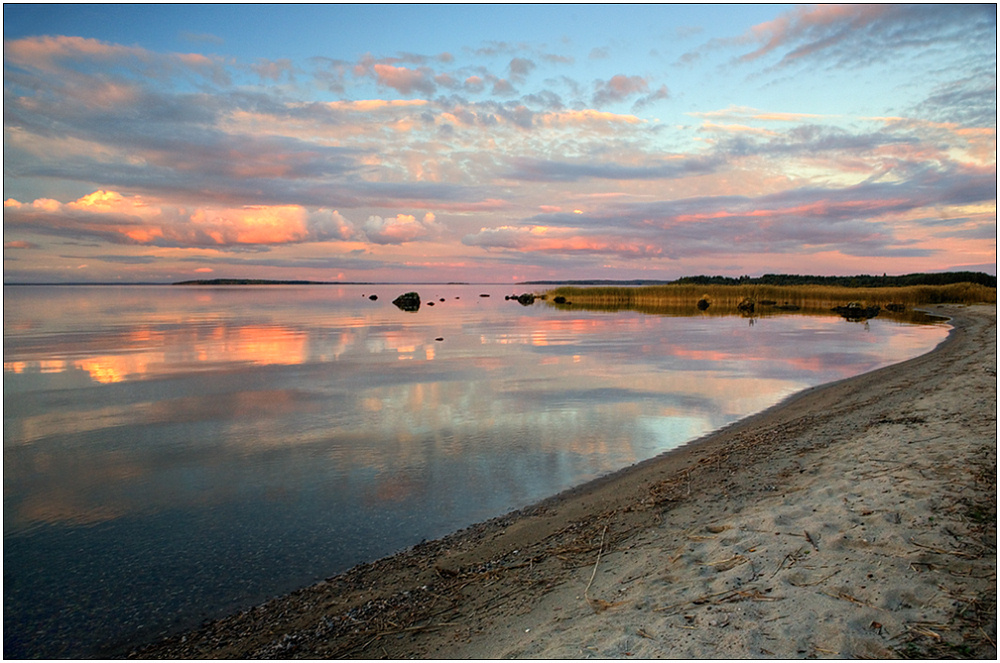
(857, 519)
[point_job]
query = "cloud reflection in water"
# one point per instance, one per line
(298, 431)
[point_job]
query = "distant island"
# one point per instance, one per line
(858, 281)
(276, 282)
(250, 282)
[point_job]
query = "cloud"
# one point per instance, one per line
(503, 88)
(404, 80)
(274, 70)
(120, 219)
(560, 241)
(971, 100)
(588, 117)
(744, 113)
(400, 229)
(618, 88)
(69, 56)
(863, 34)
(519, 68)
(179, 157)
(544, 170)
(474, 84)
(858, 221)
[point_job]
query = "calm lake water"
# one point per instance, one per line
(174, 453)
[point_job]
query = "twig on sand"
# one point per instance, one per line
(409, 629)
(597, 604)
(600, 552)
(956, 553)
(811, 584)
(929, 633)
(848, 597)
(810, 540)
(730, 563)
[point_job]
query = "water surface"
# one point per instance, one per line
(173, 453)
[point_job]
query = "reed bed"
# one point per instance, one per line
(806, 297)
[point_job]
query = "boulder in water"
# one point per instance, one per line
(857, 311)
(409, 301)
(526, 299)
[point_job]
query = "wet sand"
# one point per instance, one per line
(857, 519)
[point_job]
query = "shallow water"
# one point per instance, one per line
(173, 453)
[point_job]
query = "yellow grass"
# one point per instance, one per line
(725, 298)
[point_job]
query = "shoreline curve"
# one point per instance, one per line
(846, 520)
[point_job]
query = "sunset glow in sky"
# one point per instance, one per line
(485, 143)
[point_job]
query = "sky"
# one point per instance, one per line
(435, 143)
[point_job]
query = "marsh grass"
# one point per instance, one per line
(724, 299)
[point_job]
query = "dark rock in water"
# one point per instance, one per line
(703, 304)
(746, 306)
(788, 307)
(484, 295)
(855, 311)
(526, 299)
(559, 300)
(409, 301)
(439, 338)
(767, 302)
(895, 308)
(430, 303)
(442, 299)
(373, 297)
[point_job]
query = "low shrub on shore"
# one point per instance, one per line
(727, 298)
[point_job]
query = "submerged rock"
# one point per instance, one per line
(409, 301)
(703, 303)
(746, 306)
(855, 311)
(526, 299)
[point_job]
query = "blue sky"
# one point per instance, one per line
(496, 143)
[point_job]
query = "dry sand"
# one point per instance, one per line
(856, 520)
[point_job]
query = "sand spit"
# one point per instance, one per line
(855, 520)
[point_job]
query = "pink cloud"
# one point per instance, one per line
(403, 80)
(544, 239)
(400, 229)
(59, 55)
(855, 33)
(134, 220)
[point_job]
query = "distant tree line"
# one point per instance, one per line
(245, 282)
(859, 281)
